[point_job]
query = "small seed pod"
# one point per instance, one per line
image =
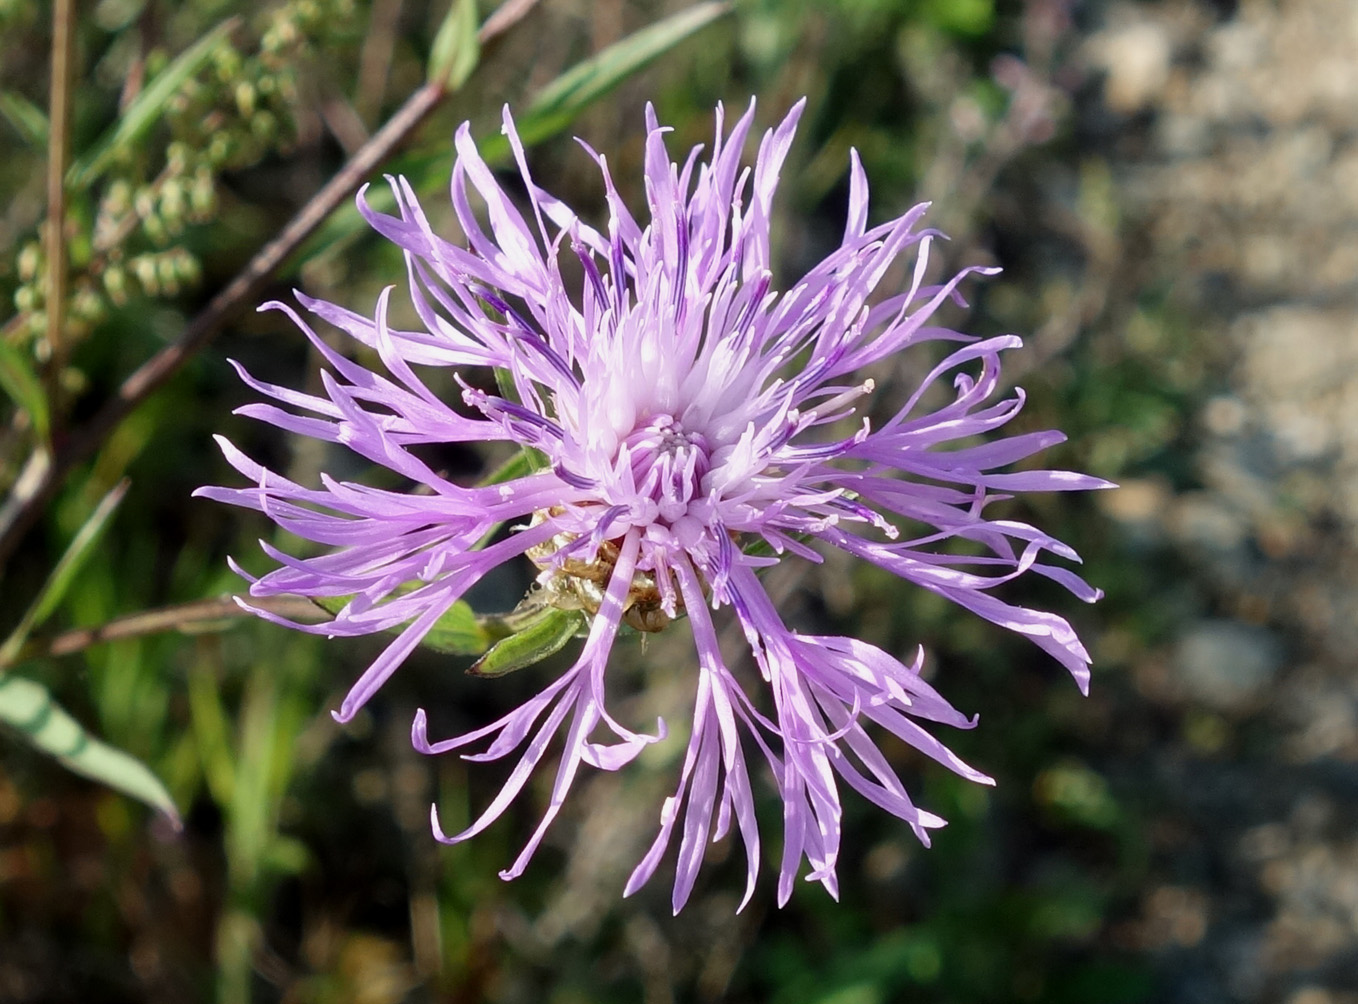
(87, 304)
(144, 268)
(264, 126)
(202, 195)
(29, 261)
(144, 201)
(172, 200)
(118, 198)
(115, 284)
(167, 274)
(186, 267)
(245, 98)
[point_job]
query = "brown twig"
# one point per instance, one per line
(26, 501)
(508, 14)
(187, 618)
(58, 154)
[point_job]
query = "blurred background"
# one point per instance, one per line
(1172, 190)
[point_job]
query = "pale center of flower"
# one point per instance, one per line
(580, 583)
(668, 464)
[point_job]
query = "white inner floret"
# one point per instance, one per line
(668, 465)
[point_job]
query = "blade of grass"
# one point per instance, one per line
(557, 104)
(27, 118)
(550, 112)
(18, 380)
(54, 589)
(28, 708)
(211, 733)
(456, 48)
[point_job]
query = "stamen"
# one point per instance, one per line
(848, 397)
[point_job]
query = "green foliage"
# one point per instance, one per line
(146, 109)
(28, 709)
(540, 633)
(554, 107)
(27, 118)
(306, 871)
(63, 575)
(21, 383)
(456, 49)
(458, 632)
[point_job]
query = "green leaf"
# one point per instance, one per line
(211, 734)
(286, 855)
(260, 777)
(553, 107)
(147, 108)
(54, 589)
(551, 111)
(27, 118)
(28, 708)
(18, 380)
(458, 632)
(520, 465)
(456, 48)
(536, 459)
(543, 633)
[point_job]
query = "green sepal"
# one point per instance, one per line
(539, 631)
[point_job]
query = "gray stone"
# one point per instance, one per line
(1226, 664)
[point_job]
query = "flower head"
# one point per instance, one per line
(692, 419)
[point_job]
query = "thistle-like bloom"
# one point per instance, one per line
(697, 424)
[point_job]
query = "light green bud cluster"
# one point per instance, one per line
(125, 235)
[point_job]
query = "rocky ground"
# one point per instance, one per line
(1233, 135)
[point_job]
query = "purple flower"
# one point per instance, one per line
(687, 411)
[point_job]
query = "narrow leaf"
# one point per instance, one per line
(456, 48)
(211, 733)
(28, 708)
(18, 380)
(147, 108)
(537, 460)
(54, 589)
(458, 632)
(553, 108)
(28, 119)
(520, 465)
(551, 111)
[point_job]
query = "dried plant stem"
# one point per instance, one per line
(58, 155)
(188, 618)
(27, 500)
